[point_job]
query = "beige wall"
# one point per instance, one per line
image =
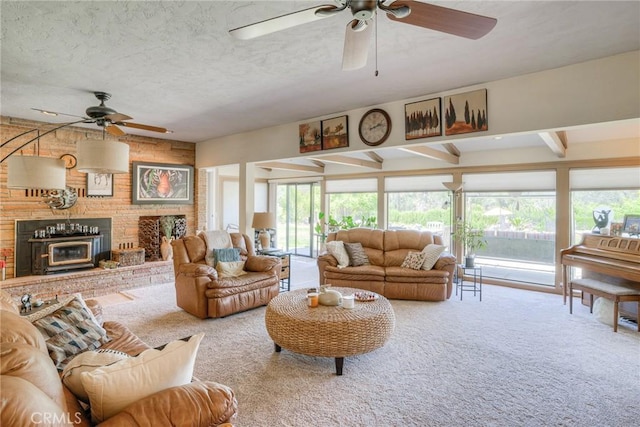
(16, 204)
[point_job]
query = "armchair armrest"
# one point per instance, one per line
(261, 263)
(197, 270)
(200, 403)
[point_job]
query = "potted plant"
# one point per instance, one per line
(471, 239)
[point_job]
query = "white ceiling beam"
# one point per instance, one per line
(291, 167)
(432, 153)
(374, 156)
(352, 161)
(556, 141)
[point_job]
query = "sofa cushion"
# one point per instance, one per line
(27, 362)
(87, 362)
(357, 255)
(432, 253)
(414, 260)
(230, 269)
(70, 330)
(17, 329)
(336, 248)
(24, 404)
(112, 388)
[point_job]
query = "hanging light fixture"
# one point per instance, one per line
(25, 172)
(102, 156)
(36, 172)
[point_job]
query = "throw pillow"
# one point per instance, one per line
(357, 255)
(62, 301)
(336, 248)
(214, 256)
(414, 260)
(432, 252)
(70, 330)
(87, 362)
(114, 387)
(216, 239)
(230, 269)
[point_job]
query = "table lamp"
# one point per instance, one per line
(262, 221)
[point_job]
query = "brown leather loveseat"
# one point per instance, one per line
(201, 291)
(386, 251)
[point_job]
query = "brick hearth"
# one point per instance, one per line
(91, 283)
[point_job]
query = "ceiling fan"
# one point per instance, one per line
(358, 30)
(107, 117)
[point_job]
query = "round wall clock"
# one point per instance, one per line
(375, 127)
(70, 161)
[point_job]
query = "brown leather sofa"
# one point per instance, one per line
(33, 393)
(201, 292)
(387, 250)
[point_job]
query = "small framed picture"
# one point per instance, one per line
(422, 119)
(335, 133)
(466, 112)
(631, 225)
(310, 136)
(100, 184)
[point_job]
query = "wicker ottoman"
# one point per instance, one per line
(328, 331)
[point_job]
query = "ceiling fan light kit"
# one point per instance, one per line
(25, 172)
(102, 156)
(432, 17)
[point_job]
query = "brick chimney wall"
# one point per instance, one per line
(18, 204)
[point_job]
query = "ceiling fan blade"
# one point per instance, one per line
(281, 22)
(55, 113)
(114, 130)
(356, 44)
(117, 117)
(446, 20)
(143, 127)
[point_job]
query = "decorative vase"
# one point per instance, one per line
(166, 251)
(329, 296)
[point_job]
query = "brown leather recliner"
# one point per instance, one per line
(201, 292)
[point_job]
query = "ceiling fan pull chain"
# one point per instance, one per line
(376, 43)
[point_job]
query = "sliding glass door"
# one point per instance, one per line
(298, 206)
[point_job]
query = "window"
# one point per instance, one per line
(517, 211)
(353, 202)
(419, 203)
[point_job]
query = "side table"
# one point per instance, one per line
(476, 285)
(285, 260)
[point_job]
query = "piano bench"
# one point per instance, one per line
(616, 293)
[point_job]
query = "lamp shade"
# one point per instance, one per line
(101, 156)
(36, 172)
(262, 220)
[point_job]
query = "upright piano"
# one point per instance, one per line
(611, 259)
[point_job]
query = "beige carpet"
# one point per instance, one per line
(515, 359)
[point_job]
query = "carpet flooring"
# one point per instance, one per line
(518, 358)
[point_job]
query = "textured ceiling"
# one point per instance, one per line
(173, 64)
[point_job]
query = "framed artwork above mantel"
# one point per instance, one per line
(162, 183)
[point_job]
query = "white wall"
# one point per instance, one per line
(596, 91)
